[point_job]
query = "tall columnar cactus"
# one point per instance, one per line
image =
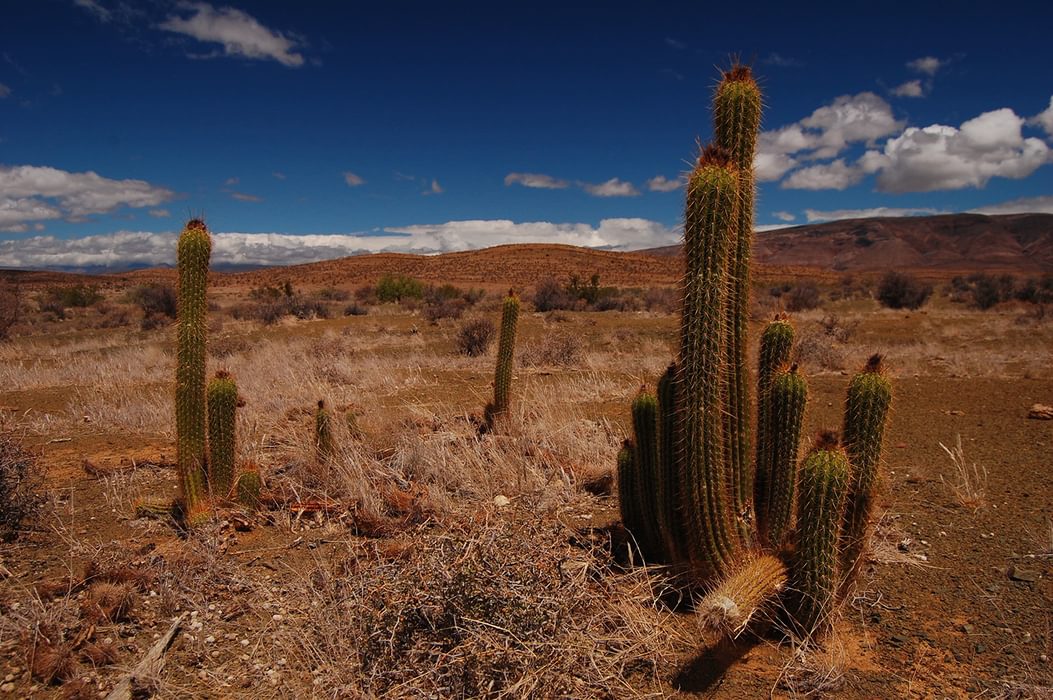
(667, 486)
(736, 121)
(506, 347)
(194, 251)
(824, 486)
(645, 462)
(866, 409)
(775, 346)
(222, 403)
(324, 444)
(709, 219)
(786, 399)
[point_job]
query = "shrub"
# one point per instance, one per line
(79, 296)
(355, 309)
(21, 481)
(395, 288)
(446, 308)
(475, 336)
(661, 300)
(556, 349)
(901, 291)
(158, 303)
(10, 307)
(802, 296)
(332, 294)
(549, 295)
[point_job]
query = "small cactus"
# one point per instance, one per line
(324, 444)
(248, 488)
(866, 409)
(668, 477)
(194, 251)
(627, 487)
(824, 485)
(645, 462)
(222, 401)
(506, 347)
(775, 345)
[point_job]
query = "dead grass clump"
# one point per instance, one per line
(497, 609)
(554, 350)
(50, 660)
(814, 671)
(21, 484)
(969, 482)
(99, 653)
(108, 602)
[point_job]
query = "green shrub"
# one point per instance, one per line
(902, 291)
(395, 288)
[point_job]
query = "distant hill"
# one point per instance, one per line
(933, 246)
(1019, 243)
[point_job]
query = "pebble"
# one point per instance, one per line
(7, 687)
(980, 648)
(209, 639)
(276, 618)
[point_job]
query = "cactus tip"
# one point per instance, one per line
(793, 368)
(715, 155)
(222, 374)
(826, 440)
(196, 224)
(738, 72)
(321, 404)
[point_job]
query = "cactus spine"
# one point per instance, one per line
(786, 400)
(506, 347)
(708, 225)
(668, 479)
(324, 444)
(824, 486)
(736, 117)
(222, 402)
(866, 409)
(645, 462)
(194, 251)
(736, 600)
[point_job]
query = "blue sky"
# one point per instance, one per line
(335, 127)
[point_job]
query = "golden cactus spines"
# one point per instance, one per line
(324, 443)
(506, 347)
(194, 252)
(736, 123)
(740, 597)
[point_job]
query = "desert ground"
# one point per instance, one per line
(425, 560)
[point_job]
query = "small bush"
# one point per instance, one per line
(901, 291)
(21, 481)
(661, 300)
(447, 308)
(355, 309)
(395, 288)
(549, 295)
(475, 336)
(556, 350)
(79, 296)
(158, 303)
(802, 297)
(332, 294)
(10, 307)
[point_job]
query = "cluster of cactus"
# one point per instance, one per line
(696, 490)
(205, 414)
(506, 346)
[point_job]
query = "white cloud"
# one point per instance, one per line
(536, 180)
(911, 88)
(238, 32)
(353, 180)
(941, 157)
(230, 181)
(836, 175)
(611, 188)
(1044, 119)
(768, 167)
(159, 213)
(277, 175)
(783, 216)
(144, 248)
(435, 188)
(775, 59)
(659, 183)
(927, 65)
(4, 91)
(1024, 205)
(100, 12)
(33, 193)
(242, 197)
(813, 215)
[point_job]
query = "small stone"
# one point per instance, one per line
(276, 617)
(501, 501)
(981, 648)
(1019, 573)
(967, 628)
(897, 640)
(9, 677)
(1040, 411)
(210, 639)
(7, 687)
(1043, 658)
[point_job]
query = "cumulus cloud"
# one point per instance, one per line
(33, 193)
(1024, 205)
(126, 248)
(813, 215)
(100, 12)
(611, 188)
(836, 175)
(941, 157)
(239, 33)
(828, 131)
(783, 216)
(659, 183)
(353, 180)
(535, 180)
(435, 188)
(1043, 119)
(160, 213)
(927, 65)
(911, 88)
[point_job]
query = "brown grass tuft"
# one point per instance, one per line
(99, 653)
(108, 602)
(50, 662)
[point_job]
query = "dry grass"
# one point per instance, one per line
(968, 482)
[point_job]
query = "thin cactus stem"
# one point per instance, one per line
(222, 403)
(670, 525)
(324, 443)
(775, 346)
(786, 398)
(737, 600)
(506, 346)
(645, 459)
